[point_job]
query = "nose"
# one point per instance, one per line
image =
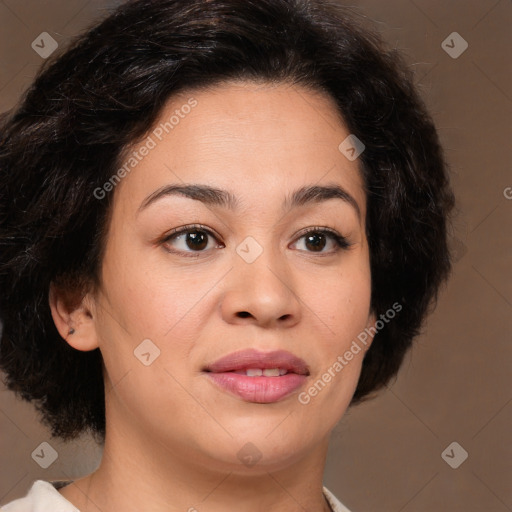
(262, 293)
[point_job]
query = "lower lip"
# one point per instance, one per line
(261, 390)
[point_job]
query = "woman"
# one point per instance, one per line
(222, 224)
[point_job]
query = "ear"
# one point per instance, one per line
(74, 319)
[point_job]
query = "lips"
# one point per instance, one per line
(258, 376)
(247, 359)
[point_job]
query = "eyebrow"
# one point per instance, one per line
(209, 195)
(213, 196)
(317, 194)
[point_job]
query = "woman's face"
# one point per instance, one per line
(246, 275)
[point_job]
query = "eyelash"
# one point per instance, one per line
(340, 241)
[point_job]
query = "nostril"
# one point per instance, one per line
(243, 314)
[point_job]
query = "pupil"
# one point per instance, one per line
(197, 240)
(316, 241)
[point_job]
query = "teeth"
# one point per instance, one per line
(267, 372)
(254, 372)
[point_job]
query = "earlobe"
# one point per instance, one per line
(75, 323)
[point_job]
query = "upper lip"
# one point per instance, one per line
(252, 358)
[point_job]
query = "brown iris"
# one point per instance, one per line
(196, 240)
(315, 241)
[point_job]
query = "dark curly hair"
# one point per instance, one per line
(67, 137)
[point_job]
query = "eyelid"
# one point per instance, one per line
(341, 241)
(188, 228)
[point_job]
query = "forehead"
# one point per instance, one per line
(255, 138)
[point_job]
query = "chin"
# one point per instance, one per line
(257, 452)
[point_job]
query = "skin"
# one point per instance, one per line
(173, 436)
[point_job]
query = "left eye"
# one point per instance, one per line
(318, 240)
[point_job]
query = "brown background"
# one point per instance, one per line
(455, 386)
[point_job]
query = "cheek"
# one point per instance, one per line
(343, 302)
(343, 305)
(149, 298)
(339, 355)
(148, 302)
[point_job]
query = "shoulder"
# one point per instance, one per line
(41, 497)
(335, 503)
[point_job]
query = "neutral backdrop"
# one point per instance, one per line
(385, 455)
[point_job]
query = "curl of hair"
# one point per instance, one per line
(67, 136)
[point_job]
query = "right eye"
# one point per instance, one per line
(190, 239)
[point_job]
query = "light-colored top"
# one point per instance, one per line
(44, 497)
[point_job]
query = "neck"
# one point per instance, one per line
(137, 473)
